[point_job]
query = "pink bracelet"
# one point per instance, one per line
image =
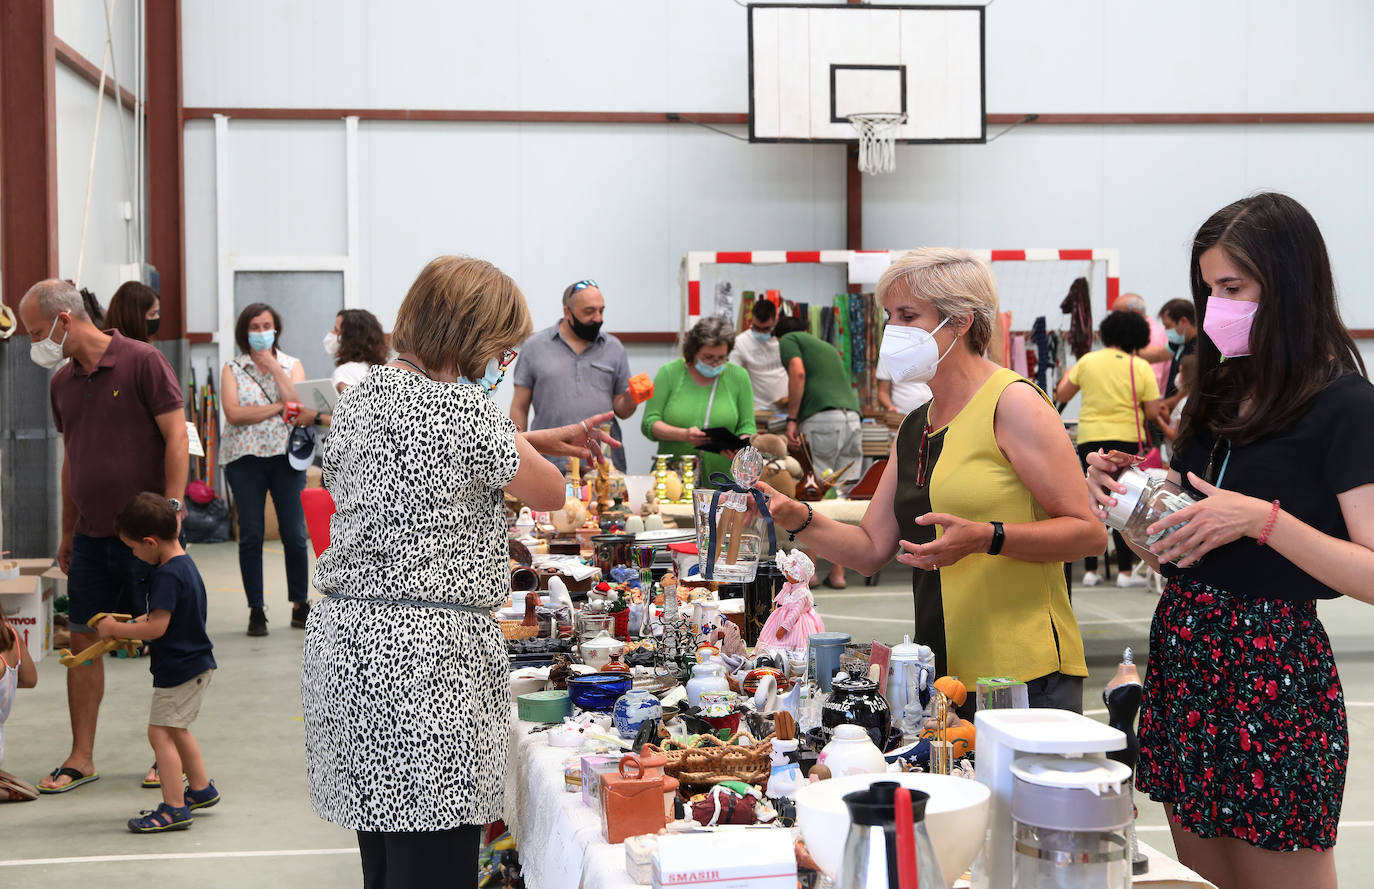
(1263, 538)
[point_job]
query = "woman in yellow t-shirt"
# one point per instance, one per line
(1120, 396)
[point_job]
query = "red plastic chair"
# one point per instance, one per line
(318, 506)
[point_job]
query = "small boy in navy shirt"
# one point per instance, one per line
(182, 661)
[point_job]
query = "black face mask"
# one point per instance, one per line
(584, 331)
(153, 325)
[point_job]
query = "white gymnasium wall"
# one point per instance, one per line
(552, 203)
(106, 230)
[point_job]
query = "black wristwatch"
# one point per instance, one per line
(999, 536)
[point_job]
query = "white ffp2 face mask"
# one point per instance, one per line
(910, 353)
(46, 353)
(331, 344)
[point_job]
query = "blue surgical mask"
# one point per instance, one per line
(761, 336)
(708, 371)
(1175, 337)
(492, 378)
(259, 340)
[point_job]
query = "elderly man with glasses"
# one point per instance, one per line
(572, 370)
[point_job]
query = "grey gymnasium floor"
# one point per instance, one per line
(250, 729)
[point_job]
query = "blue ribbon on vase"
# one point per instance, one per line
(723, 483)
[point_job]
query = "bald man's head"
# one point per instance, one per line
(1131, 302)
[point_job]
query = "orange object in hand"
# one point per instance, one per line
(641, 388)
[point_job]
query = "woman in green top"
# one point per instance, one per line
(701, 390)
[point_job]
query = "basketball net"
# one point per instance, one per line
(877, 141)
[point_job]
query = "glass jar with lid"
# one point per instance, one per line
(1148, 499)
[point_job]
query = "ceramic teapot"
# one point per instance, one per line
(598, 651)
(852, 752)
(570, 517)
(856, 701)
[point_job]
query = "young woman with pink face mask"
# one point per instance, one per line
(1243, 728)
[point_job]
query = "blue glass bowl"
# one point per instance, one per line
(598, 691)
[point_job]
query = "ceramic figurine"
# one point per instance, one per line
(794, 616)
(558, 593)
(727, 638)
(784, 776)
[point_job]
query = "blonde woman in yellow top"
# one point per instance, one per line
(978, 496)
(1120, 396)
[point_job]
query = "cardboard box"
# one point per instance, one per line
(27, 605)
(55, 581)
(33, 567)
(745, 858)
(593, 767)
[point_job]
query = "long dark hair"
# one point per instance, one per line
(361, 338)
(128, 310)
(1298, 341)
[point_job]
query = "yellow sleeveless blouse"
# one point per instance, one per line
(985, 615)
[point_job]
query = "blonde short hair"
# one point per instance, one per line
(958, 284)
(459, 314)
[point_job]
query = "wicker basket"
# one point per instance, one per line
(712, 760)
(515, 630)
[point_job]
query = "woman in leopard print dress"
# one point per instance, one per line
(404, 677)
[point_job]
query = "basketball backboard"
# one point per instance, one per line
(811, 66)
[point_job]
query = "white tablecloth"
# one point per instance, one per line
(560, 842)
(558, 837)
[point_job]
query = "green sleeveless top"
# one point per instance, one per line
(985, 615)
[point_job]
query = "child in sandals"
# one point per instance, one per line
(16, 671)
(182, 662)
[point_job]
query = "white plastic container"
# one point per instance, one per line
(1069, 820)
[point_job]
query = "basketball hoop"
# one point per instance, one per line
(877, 141)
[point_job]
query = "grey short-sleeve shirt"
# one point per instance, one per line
(566, 387)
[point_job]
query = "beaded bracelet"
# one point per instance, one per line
(1263, 539)
(810, 514)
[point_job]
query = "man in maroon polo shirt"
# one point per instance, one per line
(118, 406)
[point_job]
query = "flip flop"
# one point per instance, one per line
(153, 784)
(77, 779)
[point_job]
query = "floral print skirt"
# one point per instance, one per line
(1243, 726)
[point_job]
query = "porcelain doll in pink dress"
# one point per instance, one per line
(794, 616)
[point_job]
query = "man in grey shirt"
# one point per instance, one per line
(572, 370)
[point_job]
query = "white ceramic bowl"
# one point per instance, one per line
(956, 818)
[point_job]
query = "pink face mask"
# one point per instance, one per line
(1227, 325)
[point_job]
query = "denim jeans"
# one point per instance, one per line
(250, 478)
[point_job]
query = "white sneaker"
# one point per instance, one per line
(1128, 579)
(1091, 578)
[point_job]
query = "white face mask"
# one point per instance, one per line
(331, 344)
(46, 353)
(910, 353)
